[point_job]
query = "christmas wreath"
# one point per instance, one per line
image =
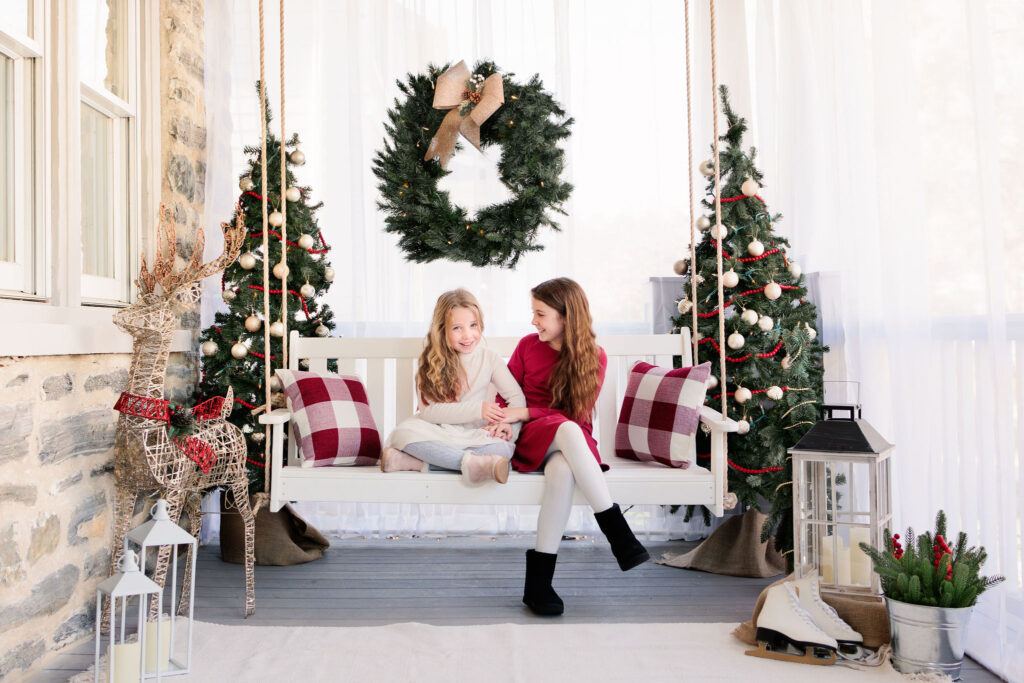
(488, 108)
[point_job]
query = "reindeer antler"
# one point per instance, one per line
(163, 267)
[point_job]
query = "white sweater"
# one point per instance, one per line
(460, 423)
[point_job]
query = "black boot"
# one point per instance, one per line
(625, 547)
(538, 594)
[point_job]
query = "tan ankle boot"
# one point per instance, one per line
(394, 460)
(477, 469)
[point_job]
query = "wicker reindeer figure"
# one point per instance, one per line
(147, 457)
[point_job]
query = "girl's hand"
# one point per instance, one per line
(516, 415)
(499, 430)
(492, 412)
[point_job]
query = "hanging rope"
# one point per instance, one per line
(284, 210)
(689, 156)
(718, 246)
(266, 250)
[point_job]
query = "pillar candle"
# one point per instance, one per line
(127, 660)
(860, 563)
(828, 572)
(151, 643)
(843, 566)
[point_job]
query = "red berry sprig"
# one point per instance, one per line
(941, 549)
(897, 548)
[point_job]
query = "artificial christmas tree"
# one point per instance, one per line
(773, 360)
(233, 346)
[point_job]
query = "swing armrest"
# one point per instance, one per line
(714, 419)
(276, 417)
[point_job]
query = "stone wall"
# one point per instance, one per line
(56, 418)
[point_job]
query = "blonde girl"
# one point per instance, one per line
(459, 426)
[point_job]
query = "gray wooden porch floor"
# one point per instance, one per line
(470, 580)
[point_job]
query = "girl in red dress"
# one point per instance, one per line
(561, 369)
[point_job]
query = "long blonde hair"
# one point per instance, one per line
(440, 376)
(576, 378)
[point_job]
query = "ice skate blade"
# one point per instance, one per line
(808, 657)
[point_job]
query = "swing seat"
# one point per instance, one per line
(387, 368)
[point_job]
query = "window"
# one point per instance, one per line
(20, 148)
(108, 59)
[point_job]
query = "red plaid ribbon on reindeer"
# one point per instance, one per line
(194, 448)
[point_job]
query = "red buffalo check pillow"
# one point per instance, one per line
(660, 413)
(331, 419)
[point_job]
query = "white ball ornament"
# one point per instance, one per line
(239, 350)
(730, 278)
(742, 427)
(794, 269)
(307, 291)
(228, 295)
(321, 331)
(329, 274)
(712, 381)
(305, 241)
(684, 306)
(275, 383)
(293, 194)
(277, 329)
(773, 291)
(276, 219)
(750, 187)
(209, 348)
(774, 393)
(247, 261)
(681, 266)
(742, 395)
(297, 157)
(735, 341)
(252, 323)
(720, 232)
(707, 167)
(749, 316)
(811, 332)
(765, 323)
(257, 437)
(703, 223)
(245, 184)
(281, 270)
(755, 248)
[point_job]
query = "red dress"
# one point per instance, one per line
(531, 364)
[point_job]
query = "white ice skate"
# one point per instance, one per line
(826, 618)
(783, 625)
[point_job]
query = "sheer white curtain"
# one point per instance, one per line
(890, 135)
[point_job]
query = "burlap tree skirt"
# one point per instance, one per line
(282, 538)
(733, 549)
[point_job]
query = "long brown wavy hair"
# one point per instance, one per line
(440, 375)
(576, 378)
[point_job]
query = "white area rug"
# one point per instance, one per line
(504, 652)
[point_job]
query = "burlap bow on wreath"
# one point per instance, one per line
(471, 99)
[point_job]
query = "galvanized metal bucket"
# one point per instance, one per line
(926, 638)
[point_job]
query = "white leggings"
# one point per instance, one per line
(569, 463)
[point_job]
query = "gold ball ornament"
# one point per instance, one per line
(252, 323)
(786, 363)
(239, 350)
(794, 269)
(257, 437)
(321, 331)
(305, 241)
(730, 278)
(750, 187)
(730, 500)
(293, 194)
(297, 157)
(774, 393)
(275, 383)
(307, 291)
(735, 341)
(707, 167)
(765, 323)
(209, 348)
(245, 184)
(749, 316)
(703, 223)
(712, 381)
(277, 329)
(681, 266)
(247, 261)
(755, 248)
(684, 306)
(773, 291)
(811, 332)
(228, 295)
(720, 232)
(329, 274)
(742, 395)
(276, 219)
(304, 364)
(742, 426)
(281, 270)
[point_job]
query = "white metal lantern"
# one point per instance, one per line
(842, 496)
(160, 531)
(124, 658)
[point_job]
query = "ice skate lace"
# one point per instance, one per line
(794, 601)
